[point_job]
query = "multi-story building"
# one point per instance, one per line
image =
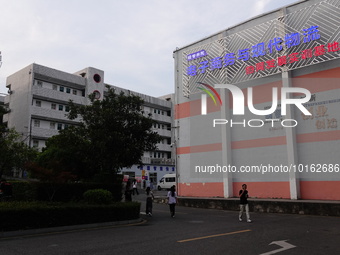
(233, 124)
(38, 102)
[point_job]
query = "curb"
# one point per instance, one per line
(285, 206)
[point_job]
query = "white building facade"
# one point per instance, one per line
(38, 103)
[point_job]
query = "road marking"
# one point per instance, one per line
(283, 244)
(205, 237)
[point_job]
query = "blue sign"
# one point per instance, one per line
(198, 54)
(261, 49)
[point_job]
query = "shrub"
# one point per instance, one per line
(32, 215)
(98, 196)
(60, 192)
(24, 191)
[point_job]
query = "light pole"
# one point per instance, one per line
(174, 146)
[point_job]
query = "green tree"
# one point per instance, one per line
(13, 152)
(112, 134)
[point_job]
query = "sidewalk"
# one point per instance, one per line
(303, 207)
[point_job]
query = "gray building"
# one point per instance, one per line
(38, 102)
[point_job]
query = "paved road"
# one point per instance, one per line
(192, 231)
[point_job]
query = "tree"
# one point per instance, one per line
(112, 134)
(13, 152)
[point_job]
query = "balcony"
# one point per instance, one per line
(161, 118)
(54, 95)
(162, 132)
(50, 114)
(164, 147)
(43, 132)
(146, 160)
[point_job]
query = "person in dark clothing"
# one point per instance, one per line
(243, 194)
(149, 198)
(128, 191)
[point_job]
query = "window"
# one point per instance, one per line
(54, 87)
(38, 103)
(74, 92)
(39, 83)
(170, 179)
(66, 126)
(68, 90)
(35, 143)
(53, 106)
(37, 123)
(52, 125)
(97, 78)
(67, 108)
(60, 126)
(61, 89)
(61, 107)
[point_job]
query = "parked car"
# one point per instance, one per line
(166, 181)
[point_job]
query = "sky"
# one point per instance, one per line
(132, 41)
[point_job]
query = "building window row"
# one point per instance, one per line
(54, 106)
(158, 154)
(161, 112)
(162, 126)
(53, 125)
(60, 88)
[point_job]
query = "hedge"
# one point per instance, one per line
(66, 192)
(31, 215)
(98, 196)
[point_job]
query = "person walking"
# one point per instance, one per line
(243, 194)
(172, 200)
(149, 198)
(128, 191)
(134, 187)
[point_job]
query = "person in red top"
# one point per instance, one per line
(5, 190)
(243, 194)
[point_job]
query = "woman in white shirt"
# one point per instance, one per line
(172, 200)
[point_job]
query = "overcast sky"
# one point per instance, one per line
(132, 41)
